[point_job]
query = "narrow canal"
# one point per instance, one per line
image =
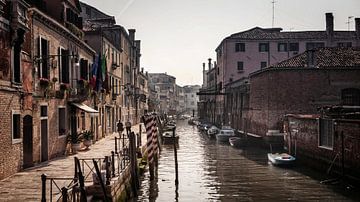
(210, 171)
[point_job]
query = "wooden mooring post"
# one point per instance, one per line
(176, 161)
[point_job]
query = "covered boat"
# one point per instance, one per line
(213, 130)
(225, 133)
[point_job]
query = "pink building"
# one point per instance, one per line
(245, 52)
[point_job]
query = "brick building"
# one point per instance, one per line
(328, 142)
(15, 70)
(243, 53)
(302, 85)
(44, 74)
(122, 53)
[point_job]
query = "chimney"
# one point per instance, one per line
(329, 25)
(203, 66)
(142, 69)
(214, 64)
(132, 34)
(209, 63)
(357, 27)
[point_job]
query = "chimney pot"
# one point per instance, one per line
(209, 63)
(357, 27)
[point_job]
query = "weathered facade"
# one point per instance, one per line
(15, 71)
(302, 85)
(246, 52)
(333, 147)
(166, 86)
(41, 66)
(123, 87)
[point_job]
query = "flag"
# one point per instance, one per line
(104, 75)
(94, 72)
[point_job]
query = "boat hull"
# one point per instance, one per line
(281, 159)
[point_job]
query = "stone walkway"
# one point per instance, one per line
(26, 185)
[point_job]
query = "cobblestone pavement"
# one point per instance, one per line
(26, 185)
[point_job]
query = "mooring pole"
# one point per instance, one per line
(342, 154)
(176, 161)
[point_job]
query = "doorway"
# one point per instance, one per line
(28, 141)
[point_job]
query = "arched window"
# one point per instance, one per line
(350, 96)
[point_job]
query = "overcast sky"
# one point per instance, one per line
(177, 36)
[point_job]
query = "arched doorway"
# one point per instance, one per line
(28, 141)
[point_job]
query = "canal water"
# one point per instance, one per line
(211, 171)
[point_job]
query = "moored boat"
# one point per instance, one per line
(237, 141)
(168, 138)
(213, 130)
(281, 159)
(224, 134)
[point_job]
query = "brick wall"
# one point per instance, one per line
(10, 153)
(274, 93)
(308, 150)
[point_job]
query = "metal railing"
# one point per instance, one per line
(86, 169)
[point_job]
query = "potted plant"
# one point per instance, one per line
(88, 136)
(75, 139)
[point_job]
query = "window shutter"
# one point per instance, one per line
(39, 56)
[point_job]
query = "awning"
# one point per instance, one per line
(85, 108)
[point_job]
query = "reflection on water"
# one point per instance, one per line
(210, 171)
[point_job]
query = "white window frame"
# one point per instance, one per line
(15, 140)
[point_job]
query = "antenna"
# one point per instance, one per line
(348, 22)
(273, 12)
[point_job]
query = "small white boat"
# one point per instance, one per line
(224, 134)
(213, 130)
(281, 159)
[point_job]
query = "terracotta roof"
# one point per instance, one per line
(324, 58)
(259, 33)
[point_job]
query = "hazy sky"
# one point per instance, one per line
(177, 36)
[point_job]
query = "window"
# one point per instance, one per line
(84, 69)
(350, 96)
(62, 121)
(313, 45)
(282, 47)
(240, 66)
(43, 111)
(263, 47)
(263, 65)
(64, 65)
(43, 52)
(17, 63)
(82, 120)
(344, 44)
(294, 46)
(326, 132)
(15, 125)
(240, 47)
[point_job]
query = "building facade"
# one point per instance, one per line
(303, 85)
(166, 90)
(45, 65)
